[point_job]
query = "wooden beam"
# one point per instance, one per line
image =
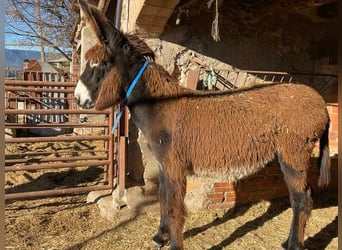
(155, 21)
(171, 4)
(150, 10)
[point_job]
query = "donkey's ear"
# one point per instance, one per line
(96, 21)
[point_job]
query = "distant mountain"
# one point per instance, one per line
(14, 58)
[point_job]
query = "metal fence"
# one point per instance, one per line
(45, 112)
(227, 79)
(207, 78)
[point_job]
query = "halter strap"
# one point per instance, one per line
(128, 93)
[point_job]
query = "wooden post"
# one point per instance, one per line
(192, 80)
(123, 140)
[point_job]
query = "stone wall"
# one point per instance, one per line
(267, 184)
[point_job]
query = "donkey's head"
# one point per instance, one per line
(111, 64)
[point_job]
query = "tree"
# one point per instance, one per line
(49, 23)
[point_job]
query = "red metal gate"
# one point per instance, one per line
(49, 109)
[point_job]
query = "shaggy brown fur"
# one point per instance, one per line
(109, 91)
(227, 135)
(96, 54)
(262, 116)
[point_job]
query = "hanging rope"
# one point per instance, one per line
(214, 27)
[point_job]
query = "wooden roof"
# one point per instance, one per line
(39, 66)
(154, 15)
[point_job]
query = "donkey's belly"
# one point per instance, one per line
(226, 172)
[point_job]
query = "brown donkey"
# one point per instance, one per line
(259, 124)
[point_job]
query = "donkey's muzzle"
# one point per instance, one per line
(83, 96)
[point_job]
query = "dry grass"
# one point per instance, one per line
(69, 223)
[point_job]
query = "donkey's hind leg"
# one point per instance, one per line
(301, 203)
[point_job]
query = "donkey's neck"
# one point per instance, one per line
(159, 83)
(156, 87)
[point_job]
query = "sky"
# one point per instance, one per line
(11, 39)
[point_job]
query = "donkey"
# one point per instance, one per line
(224, 134)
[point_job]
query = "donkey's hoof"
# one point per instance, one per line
(158, 245)
(295, 248)
(159, 241)
(286, 246)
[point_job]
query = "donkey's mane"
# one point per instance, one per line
(140, 46)
(155, 74)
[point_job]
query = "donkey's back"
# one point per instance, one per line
(233, 134)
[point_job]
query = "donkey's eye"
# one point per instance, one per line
(93, 64)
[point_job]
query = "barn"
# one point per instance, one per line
(219, 45)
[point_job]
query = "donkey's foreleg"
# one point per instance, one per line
(163, 235)
(301, 203)
(175, 192)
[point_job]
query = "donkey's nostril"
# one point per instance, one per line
(88, 104)
(77, 100)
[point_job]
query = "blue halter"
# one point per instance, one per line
(128, 93)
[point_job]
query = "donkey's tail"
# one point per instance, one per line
(324, 158)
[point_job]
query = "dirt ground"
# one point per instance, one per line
(68, 222)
